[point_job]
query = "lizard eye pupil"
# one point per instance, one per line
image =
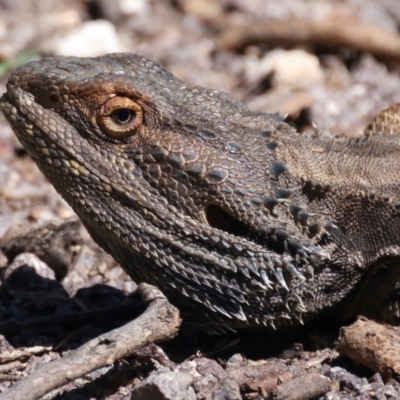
(124, 115)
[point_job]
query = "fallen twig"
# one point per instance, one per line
(158, 323)
(325, 32)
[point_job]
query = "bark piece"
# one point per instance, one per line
(308, 387)
(376, 346)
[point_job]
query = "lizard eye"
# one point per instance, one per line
(120, 117)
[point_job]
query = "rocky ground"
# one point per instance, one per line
(334, 64)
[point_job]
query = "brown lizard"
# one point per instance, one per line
(240, 220)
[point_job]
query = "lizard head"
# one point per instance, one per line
(193, 148)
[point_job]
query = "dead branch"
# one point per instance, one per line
(325, 32)
(158, 323)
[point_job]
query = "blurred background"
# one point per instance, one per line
(332, 63)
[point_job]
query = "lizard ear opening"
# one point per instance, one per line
(120, 117)
(220, 219)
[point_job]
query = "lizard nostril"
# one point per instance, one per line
(220, 219)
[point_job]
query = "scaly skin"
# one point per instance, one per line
(240, 220)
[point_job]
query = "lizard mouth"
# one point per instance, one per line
(218, 218)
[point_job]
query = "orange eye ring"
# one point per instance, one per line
(120, 117)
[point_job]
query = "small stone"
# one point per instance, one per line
(166, 385)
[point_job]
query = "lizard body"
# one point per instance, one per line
(240, 220)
